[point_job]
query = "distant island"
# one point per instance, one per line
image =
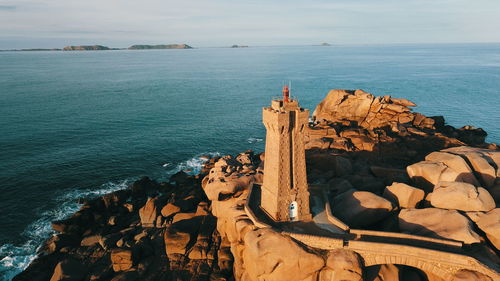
(324, 44)
(169, 46)
(239, 46)
(40, 49)
(88, 48)
(32, 50)
(105, 48)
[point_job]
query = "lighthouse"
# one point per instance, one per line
(284, 192)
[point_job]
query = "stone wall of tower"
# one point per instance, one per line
(277, 158)
(285, 178)
(299, 160)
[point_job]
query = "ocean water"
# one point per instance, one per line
(76, 124)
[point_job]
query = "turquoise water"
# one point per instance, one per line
(84, 123)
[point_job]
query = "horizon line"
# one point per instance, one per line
(260, 45)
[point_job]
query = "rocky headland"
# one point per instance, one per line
(383, 167)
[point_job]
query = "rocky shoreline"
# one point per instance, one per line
(386, 168)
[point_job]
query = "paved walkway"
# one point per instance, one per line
(319, 213)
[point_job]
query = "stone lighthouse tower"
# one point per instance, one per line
(284, 192)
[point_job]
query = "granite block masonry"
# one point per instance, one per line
(285, 195)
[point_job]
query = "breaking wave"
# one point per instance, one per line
(254, 140)
(192, 166)
(15, 258)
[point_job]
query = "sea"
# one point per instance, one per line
(82, 124)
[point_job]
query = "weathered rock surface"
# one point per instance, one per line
(226, 179)
(265, 250)
(426, 174)
(342, 265)
(438, 223)
(475, 166)
(148, 213)
(353, 120)
(490, 224)
(456, 164)
(360, 208)
(484, 162)
(461, 196)
(404, 195)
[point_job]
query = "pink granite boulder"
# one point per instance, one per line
(404, 195)
(439, 223)
(461, 196)
(360, 208)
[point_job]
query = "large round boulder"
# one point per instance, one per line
(426, 174)
(490, 224)
(269, 255)
(360, 208)
(461, 196)
(404, 195)
(484, 162)
(439, 223)
(457, 164)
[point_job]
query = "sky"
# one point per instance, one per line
(212, 23)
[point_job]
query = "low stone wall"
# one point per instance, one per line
(333, 220)
(360, 233)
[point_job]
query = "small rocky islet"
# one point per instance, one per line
(385, 167)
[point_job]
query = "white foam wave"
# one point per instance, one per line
(194, 165)
(15, 258)
(254, 140)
